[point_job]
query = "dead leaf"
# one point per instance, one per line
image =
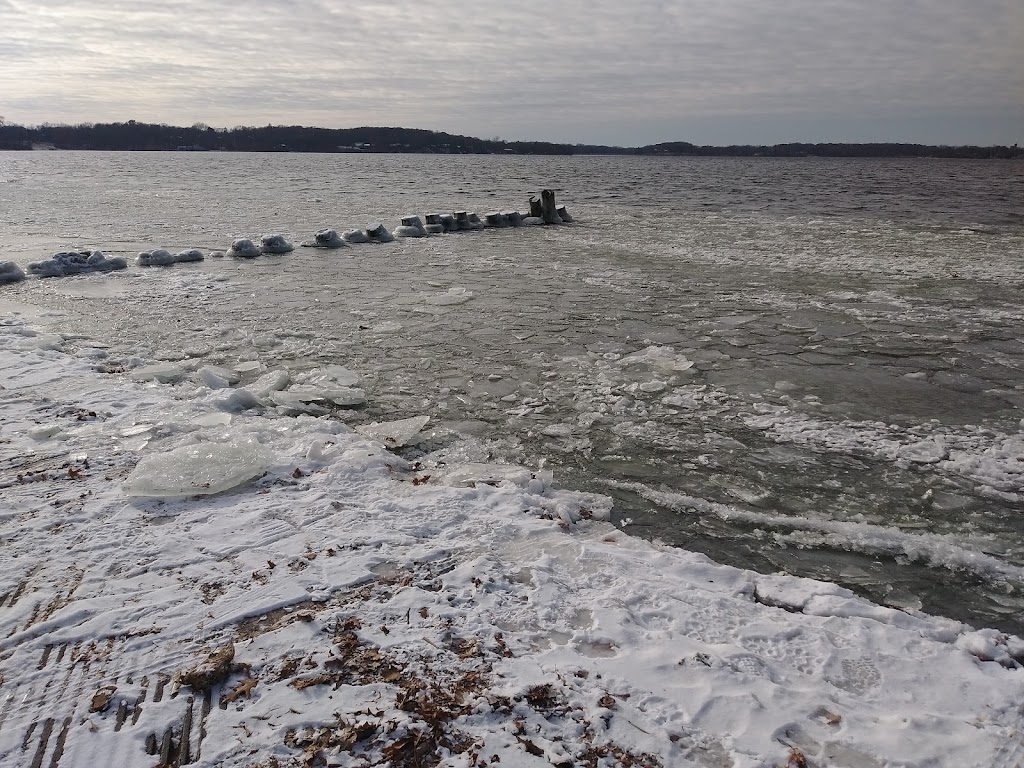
(101, 699)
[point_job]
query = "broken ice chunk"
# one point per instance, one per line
(165, 373)
(236, 400)
(664, 359)
(304, 393)
(229, 375)
(330, 376)
(454, 296)
(211, 378)
(394, 434)
(198, 469)
(273, 381)
(44, 432)
(488, 474)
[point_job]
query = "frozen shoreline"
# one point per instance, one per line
(394, 614)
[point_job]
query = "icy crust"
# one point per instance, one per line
(353, 608)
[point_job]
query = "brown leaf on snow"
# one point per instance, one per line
(101, 699)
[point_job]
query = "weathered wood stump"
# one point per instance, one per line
(495, 219)
(535, 210)
(547, 207)
(514, 218)
(564, 214)
(462, 220)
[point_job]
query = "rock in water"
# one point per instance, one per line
(355, 236)
(243, 248)
(10, 272)
(199, 469)
(157, 258)
(275, 244)
(378, 233)
(325, 238)
(190, 254)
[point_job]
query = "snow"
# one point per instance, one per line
(381, 611)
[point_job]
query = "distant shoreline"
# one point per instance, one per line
(134, 136)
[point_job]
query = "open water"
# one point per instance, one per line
(804, 365)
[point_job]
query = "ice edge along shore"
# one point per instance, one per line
(380, 611)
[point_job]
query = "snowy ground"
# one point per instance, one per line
(347, 607)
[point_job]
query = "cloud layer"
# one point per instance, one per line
(709, 71)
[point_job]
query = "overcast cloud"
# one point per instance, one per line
(707, 71)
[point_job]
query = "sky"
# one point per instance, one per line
(627, 73)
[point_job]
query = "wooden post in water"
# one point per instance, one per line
(547, 207)
(535, 207)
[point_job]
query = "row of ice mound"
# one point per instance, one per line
(436, 224)
(62, 264)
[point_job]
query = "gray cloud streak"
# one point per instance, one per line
(640, 72)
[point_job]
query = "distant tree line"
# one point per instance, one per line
(879, 149)
(135, 136)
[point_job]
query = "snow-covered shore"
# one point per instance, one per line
(382, 612)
